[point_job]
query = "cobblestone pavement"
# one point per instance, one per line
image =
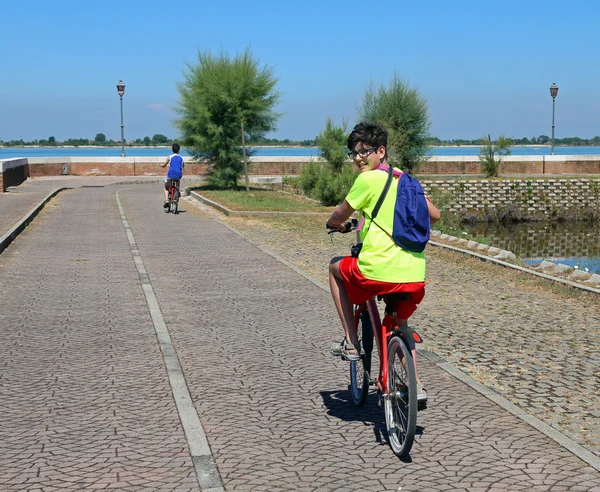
(536, 347)
(89, 404)
(17, 201)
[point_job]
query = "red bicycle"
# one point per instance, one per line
(174, 195)
(397, 379)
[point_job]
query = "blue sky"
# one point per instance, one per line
(483, 67)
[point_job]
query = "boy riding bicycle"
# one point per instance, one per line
(382, 267)
(175, 173)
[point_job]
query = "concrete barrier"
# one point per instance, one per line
(13, 172)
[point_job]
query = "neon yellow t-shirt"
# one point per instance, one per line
(380, 258)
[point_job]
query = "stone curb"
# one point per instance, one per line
(10, 236)
(578, 450)
(494, 259)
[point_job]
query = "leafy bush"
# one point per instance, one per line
(331, 188)
(330, 181)
(487, 156)
(309, 177)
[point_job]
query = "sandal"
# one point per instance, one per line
(336, 348)
(342, 349)
(346, 355)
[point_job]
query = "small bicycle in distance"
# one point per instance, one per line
(174, 195)
(397, 380)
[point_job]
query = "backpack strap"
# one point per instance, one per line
(383, 193)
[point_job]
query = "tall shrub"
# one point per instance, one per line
(330, 179)
(489, 150)
(404, 113)
(219, 96)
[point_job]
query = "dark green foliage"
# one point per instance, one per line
(100, 138)
(329, 182)
(487, 156)
(217, 96)
(332, 144)
(309, 177)
(159, 139)
(332, 187)
(403, 112)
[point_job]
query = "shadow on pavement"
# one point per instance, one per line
(339, 404)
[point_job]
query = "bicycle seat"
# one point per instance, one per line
(391, 299)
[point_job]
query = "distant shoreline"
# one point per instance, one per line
(253, 146)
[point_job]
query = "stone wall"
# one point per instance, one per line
(292, 166)
(514, 164)
(532, 197)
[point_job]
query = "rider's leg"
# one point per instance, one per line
(342, 302)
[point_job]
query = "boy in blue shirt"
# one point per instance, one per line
(175, 163)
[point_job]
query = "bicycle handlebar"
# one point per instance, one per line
(348, 227)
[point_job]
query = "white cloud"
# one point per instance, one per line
(157, 107)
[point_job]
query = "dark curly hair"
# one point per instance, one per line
(371, 134)
(175, 148)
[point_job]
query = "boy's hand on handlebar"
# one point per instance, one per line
(343, 228)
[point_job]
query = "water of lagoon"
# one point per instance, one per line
(569, 243)
(11, 152)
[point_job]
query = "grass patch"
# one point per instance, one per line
(260, 200)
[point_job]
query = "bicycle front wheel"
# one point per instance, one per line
(360, 370)
(401, 401)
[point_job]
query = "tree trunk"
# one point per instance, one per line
(245, 160)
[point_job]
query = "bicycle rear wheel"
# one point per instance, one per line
(174, 200)
(401, 403)
(360, 370)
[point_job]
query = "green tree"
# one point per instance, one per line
(147, 141)
(51, 141)
(332, 144)
(542, 139)
(487, 156)
(222, 101)
(159, 139)
(404, 113)
(329, 183)
(100, 138)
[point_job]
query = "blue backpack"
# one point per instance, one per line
(411, 213)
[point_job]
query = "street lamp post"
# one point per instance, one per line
(553, 93)
(121, 91)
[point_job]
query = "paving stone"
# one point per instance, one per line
(90, 405)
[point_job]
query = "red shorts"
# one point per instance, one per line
(361, 289)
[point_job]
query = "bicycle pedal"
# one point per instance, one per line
(421, 405)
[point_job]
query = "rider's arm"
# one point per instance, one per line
(166, 162)
(434, 213)
(340, 215)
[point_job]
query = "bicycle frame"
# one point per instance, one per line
(173, 189)
(383, 331)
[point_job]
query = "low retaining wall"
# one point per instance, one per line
(105, 166)
(530, 197)
(13, 172)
